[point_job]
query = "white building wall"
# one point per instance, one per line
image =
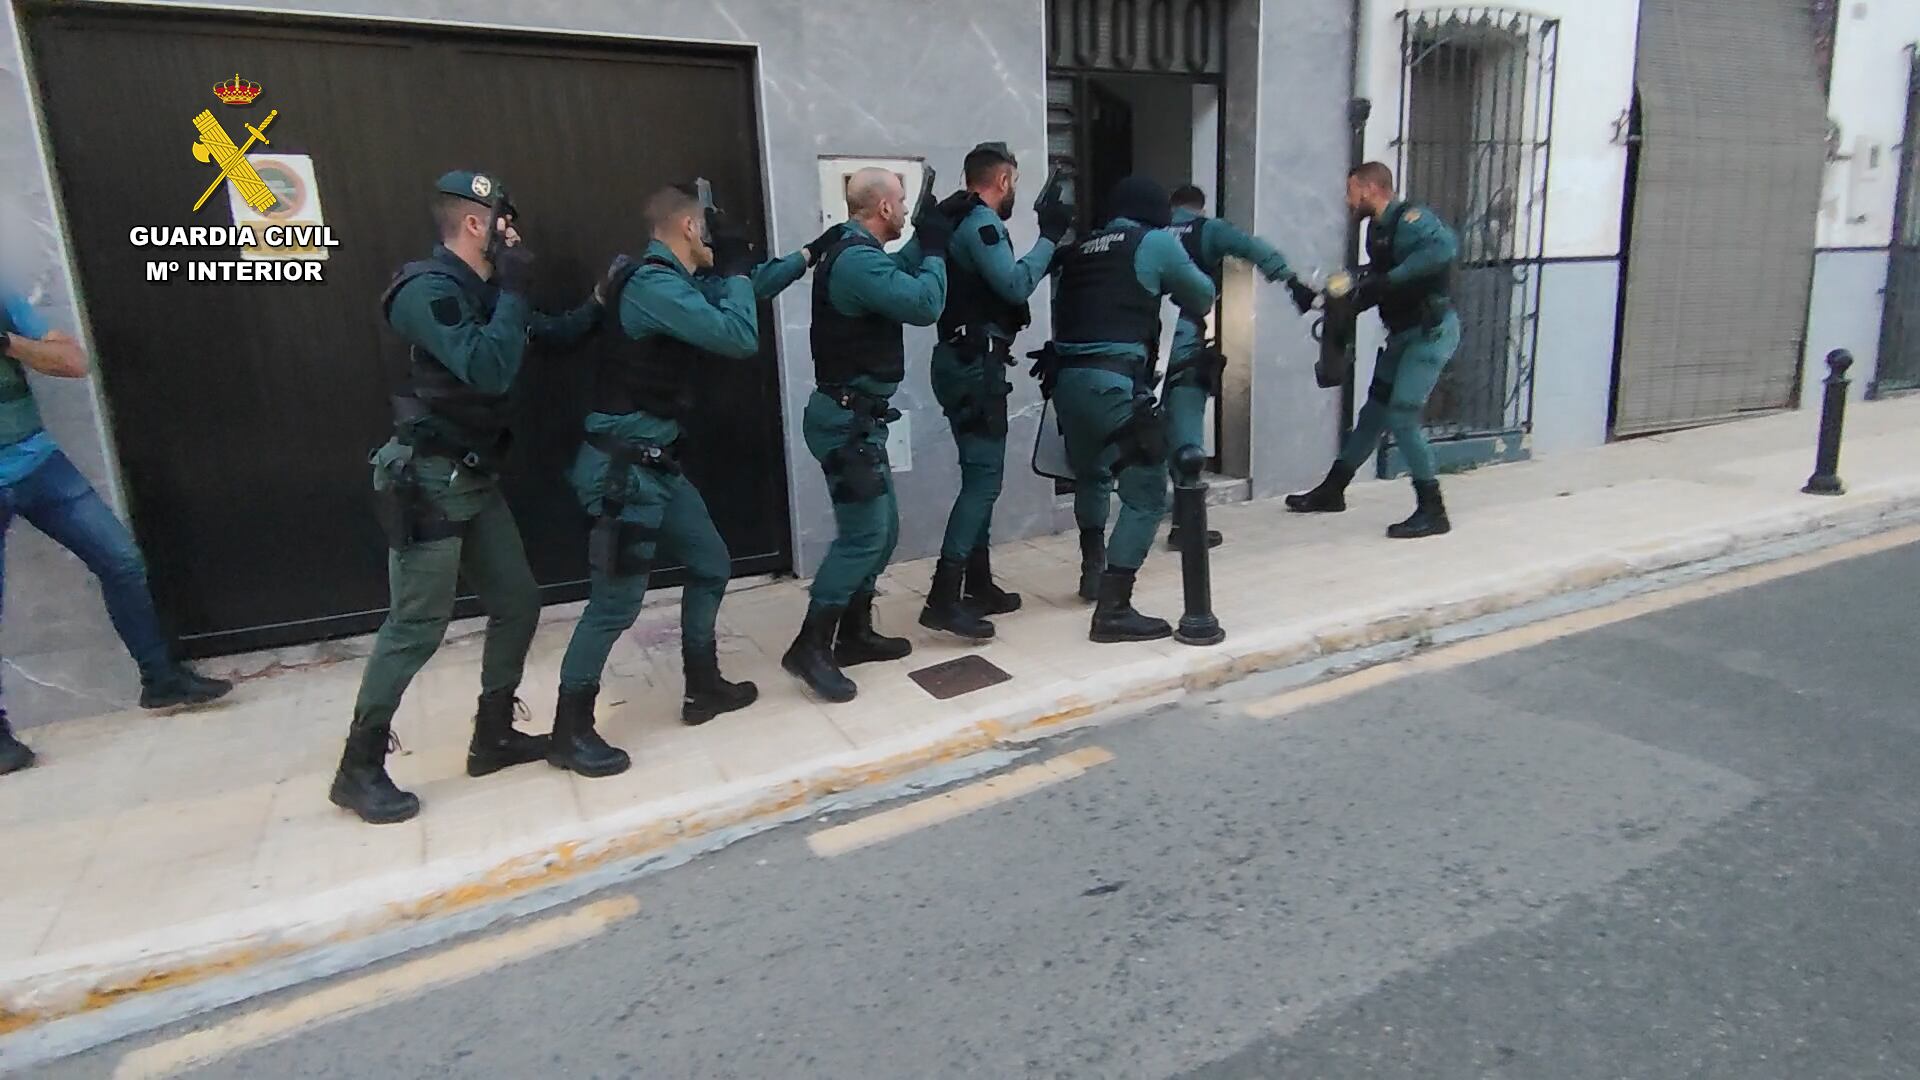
(1584, 194)
(1867, 103)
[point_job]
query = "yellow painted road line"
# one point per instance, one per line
(355, 996)
(959, 802)
(1521, 637)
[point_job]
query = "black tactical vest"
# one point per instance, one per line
(1189, 233)
(971, 302)
(472, 420)
(652, 375)
(1422, 302)
(1100, 297)
(848, 345)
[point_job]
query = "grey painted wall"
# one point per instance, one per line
(1573, 373)
(940, 79)
(1845, 314)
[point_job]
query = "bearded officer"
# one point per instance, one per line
(1106, 332)
(691, 300)
(862, 297)
(465, 316)
(1194, 369)
(987, 290)
(1409, 274)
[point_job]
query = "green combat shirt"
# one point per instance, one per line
(868, 281)
(1423, 245)
(1218, 240)
(1162, 267)
(438, 315)
(981, 246)
(719, 315)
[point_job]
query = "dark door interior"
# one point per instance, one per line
(1109, 146)
(243, 412)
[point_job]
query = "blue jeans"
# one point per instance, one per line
(58, 501)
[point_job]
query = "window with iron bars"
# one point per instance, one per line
(1476, 133)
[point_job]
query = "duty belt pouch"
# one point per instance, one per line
(855, 472)
(406, 515)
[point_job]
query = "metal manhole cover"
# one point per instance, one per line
(956, 677)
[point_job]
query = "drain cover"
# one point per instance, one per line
(956, 677)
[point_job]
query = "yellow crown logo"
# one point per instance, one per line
(237, 91)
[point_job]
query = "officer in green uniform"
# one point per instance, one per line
(465, 315)
(1410, 256)
(1099, 371)
(861, 298)
(987, 290)
(675, 318)
(1194, 370)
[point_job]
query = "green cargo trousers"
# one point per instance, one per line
(972, 392)
(867, 530)
(674, 524)
(1403, 379)
(1186, 409)
(1093, 405)
(422, 583)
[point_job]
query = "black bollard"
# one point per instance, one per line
(1833, 414)
(1197, 624)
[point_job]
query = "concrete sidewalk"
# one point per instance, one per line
(146, 853)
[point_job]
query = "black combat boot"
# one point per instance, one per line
(1329, 498)
(1114, 618)
(1176, 534)
(810, 657)
(14, 754)
(362, 784)
(181, 685)
(983, 595)
(577, 747)
(1093, 559)
(859, 643)
(1429, 514)
(709, 695)
(944, 610)
(497, 744)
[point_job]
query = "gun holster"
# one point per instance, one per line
(1142, 440)
(406, 514)
(1205, 368)
(983, 411)
(611, 543)
(856, 471)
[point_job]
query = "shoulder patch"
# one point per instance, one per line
(1411, 217)
(989, 235)
(446, 310)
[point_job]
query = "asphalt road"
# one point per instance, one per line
(1680, 846)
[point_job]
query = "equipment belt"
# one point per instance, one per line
(622, 451)
(860, 404)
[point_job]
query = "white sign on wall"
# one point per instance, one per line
(836, 171)
(296, 206)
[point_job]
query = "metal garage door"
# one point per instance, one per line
(1721, 255)
(243, 412)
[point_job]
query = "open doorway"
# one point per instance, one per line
(1143, 98)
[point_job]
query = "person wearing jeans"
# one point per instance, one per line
(39, 485)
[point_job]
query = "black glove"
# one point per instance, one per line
(958, 205)
(513, 269)
(1369, 289)
(602, 290)
(1055, 219)
(732, 254)
(1303, 297)
(935, 231)
(818, 245)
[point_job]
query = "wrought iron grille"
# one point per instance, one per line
(1899, 366)
(1168, 37)
(1476, 134)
